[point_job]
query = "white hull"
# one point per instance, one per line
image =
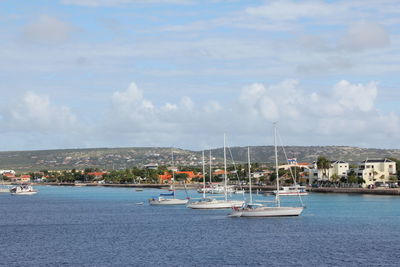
(27, 193)
(4, 190)
(267, 212)
(295, 190)
(216, 204)
(168, 201)
(292, 193)
(22, 190)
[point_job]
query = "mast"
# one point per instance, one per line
(173, 174)
(276, 169)
(204, 178)
(225, 178)
(210, 169)
(248, 160)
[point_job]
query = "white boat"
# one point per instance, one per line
(239, 191)
(295, 190)
(257, 210)
(161, 200)
(167, 201)
(217, 189)
(212, 203)
(22, 190)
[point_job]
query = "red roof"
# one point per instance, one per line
(165, 176)
(25, 176)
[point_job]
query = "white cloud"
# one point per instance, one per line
(48, 29)
(356, 96)
(292, 10)
(35, 113)
(97, 3)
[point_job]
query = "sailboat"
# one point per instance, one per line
(213, 203)
(162, 200)
(258, 210)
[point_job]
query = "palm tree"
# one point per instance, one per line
(323, 164)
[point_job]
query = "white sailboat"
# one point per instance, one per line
(213, 203)
(162, 200)
(257, 210)
(294, 190)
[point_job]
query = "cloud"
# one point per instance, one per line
(292, 10)
(356, 96)
(339, 115)
(48, 29)
(98, 3)
(366, 35)
(35, 113)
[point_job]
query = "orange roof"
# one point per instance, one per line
(25, 176)
(165, 176)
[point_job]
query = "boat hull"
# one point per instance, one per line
(268, 212)
(292, 193)
(28, 193)
(216, 204)
(173, 201)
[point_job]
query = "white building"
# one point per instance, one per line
(338, 168)
(376, 170)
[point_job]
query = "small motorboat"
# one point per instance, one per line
(23, 190)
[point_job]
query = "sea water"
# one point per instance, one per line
(102, 226)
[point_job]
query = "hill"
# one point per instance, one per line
(120, 158)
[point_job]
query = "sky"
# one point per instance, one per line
(181, 73)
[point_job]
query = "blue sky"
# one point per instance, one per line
(112, 73)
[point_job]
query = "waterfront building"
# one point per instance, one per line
(376, 171)
(7, 171)
(25, 178)
(151, 166)
(338, 170)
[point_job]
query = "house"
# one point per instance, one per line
(164, 177)
(7, 171)
(337, 169)
(21, 179)
(8, 176)
(97, 175)
(151, 166)
(376, 170)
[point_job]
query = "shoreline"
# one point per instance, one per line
(264, 188)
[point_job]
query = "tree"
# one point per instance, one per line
(180, 176)
(335, 178)
(323, 164)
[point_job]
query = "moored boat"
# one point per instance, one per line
(23, 189)
(213, 203)
(257, 210)
(295, 190)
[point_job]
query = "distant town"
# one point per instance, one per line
(164, 165)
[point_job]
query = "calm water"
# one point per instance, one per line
(86, 226)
